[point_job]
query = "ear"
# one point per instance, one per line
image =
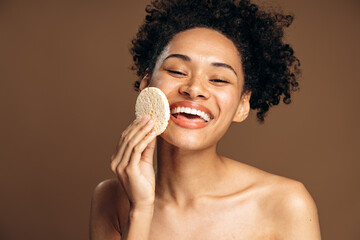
(243, 109)
(145, 82)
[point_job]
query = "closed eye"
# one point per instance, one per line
(219, 81)
(176, 72)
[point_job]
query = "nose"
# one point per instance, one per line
(194, 88)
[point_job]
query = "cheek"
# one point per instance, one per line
(164, 84)
(228, 101)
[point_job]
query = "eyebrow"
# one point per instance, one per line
(188, 59)
(218, 64)
(182, 57)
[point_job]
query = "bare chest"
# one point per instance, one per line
(212, 223)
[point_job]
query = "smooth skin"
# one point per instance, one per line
(196, 193)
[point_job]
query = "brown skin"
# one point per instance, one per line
(196, 193)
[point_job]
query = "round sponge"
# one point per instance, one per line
(152, 101)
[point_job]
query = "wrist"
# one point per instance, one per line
(141, 209)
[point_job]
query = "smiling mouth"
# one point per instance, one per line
(190, 115)
(187, 113)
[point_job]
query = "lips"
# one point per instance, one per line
(190, 115)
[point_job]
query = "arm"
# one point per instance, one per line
(108, 198)
(133, 165)
(139, 223)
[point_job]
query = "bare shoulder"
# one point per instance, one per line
(110, 194)
(285, 202)
(276, 189)
(293, 209)
(289, 197)
(108, 202)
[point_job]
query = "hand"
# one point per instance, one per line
(133, 162)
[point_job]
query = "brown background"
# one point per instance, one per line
(66, 95)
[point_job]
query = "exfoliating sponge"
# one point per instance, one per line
(152, 101)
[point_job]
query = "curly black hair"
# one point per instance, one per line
(270, 67)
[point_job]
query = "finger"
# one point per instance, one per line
(144, 149)
(140, 134)
(125, 138)
(140, 121)
(148, 153)
(137, 126)
(125, 143)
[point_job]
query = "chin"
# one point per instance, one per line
(185, 145)
(187, 140)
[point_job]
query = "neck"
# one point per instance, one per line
(184, 175)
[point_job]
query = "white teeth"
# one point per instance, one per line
(207, 118)
(191, 111)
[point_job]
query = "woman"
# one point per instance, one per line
(222, 58)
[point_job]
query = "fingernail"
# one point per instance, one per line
(142, 118)
(150, 122)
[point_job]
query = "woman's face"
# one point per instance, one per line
(201, 74)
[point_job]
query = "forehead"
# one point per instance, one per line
(204, 44)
